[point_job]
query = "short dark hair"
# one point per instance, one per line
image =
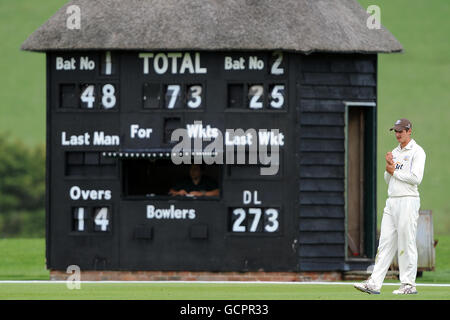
(201, 165)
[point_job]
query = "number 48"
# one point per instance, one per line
(108, 96)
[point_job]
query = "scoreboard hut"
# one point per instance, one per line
(127, 74)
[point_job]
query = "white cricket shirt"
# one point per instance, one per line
(409, 168)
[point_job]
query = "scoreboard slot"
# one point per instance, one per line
(253, 220)
(68, 96)
(173, 96)
(91, 220)
(268, 96)
(88, 96)
(89, 164)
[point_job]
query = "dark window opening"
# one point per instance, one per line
(154, 178)
(89, 164)
(235, 96)
(151, 95)
(68, 96)
(170, 125)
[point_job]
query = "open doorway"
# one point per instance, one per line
(360, 179)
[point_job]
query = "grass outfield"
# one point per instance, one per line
(24, 259)
(209, 291)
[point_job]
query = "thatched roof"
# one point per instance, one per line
(291, 25)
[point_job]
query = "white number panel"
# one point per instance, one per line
(255, 97)
(97, 96)
(194, 96)
(173, 96)
(101, 219)
(254, 220)
(93, 219)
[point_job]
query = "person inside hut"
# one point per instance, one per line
(196, 185)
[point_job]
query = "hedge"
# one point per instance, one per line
(22, 188)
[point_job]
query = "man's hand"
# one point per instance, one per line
(389, 158)
(390, 166)
(196, 193)
(182, 192)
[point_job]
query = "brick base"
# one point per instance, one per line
(363, 275)
(199, 276)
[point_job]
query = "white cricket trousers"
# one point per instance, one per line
(398, 235)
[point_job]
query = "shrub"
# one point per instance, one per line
(22, 186)
(22, 224)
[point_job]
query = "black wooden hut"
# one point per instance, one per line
(123, 75)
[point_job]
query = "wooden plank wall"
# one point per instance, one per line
(325, 82)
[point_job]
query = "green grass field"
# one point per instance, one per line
(24, 259)
(213, 291)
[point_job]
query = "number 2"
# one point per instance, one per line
(276, 70)
(255, 93)
(237, 225)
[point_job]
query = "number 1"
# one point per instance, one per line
(80, 219)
